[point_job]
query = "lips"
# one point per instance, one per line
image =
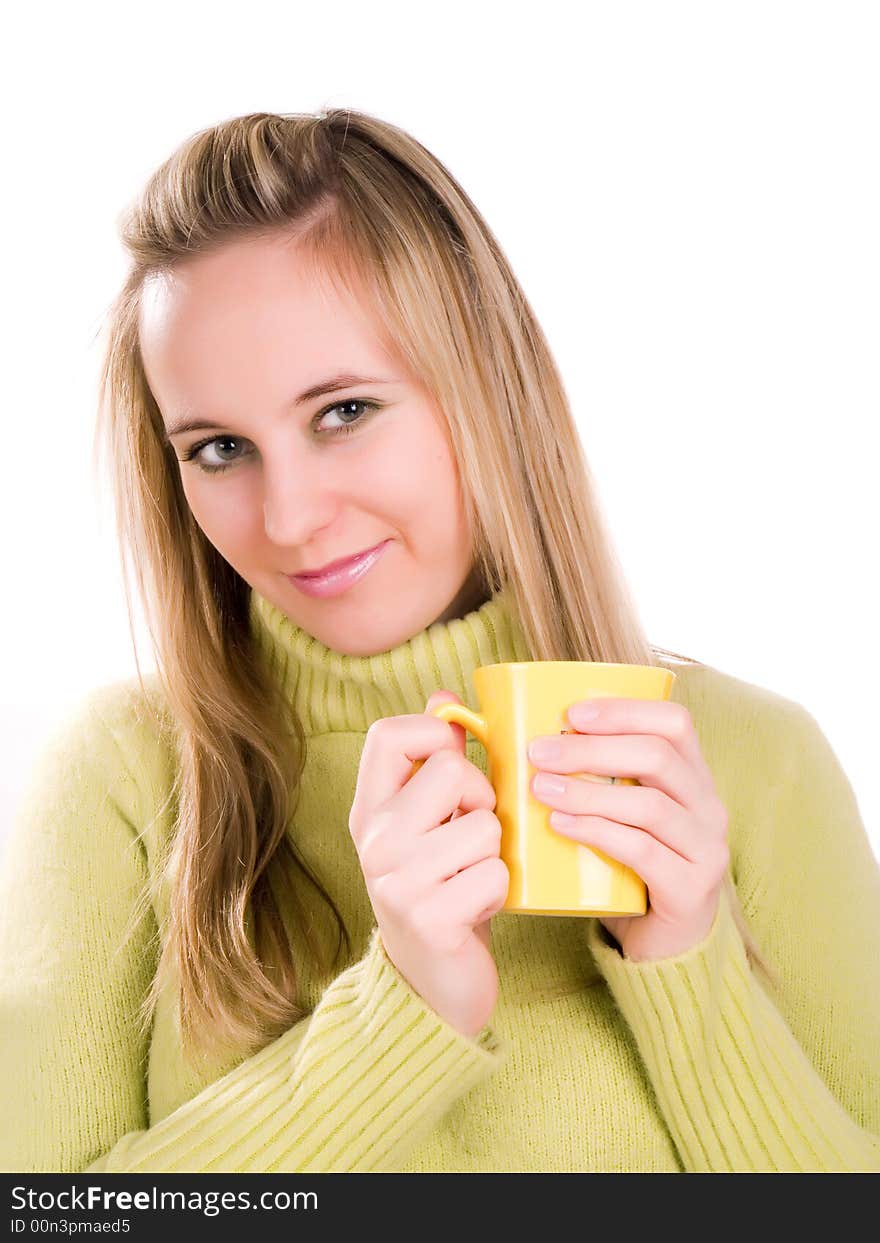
(334, 582)
(332, 566)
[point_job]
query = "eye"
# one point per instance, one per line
(355, 423)
(193, 454)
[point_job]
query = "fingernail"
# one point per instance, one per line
(584, 711)
(544, 750)
(544, 783)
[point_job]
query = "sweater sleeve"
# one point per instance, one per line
(752, 1078)
(353, 1087)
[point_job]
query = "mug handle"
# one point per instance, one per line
(458, 714)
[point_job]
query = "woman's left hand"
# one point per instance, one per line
(671, 829)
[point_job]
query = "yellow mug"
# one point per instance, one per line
(550, 874)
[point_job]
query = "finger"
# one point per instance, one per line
(391, 746)
(651, 760)
(664, 872)
(443, 697)
(466, 898)
(441, 854)
(445, 782)
(439, 697)
(661, 717)
(638, 807)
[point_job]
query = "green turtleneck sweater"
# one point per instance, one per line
(691, 1063)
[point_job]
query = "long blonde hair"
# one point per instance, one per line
(370, 205)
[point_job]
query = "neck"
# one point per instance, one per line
(473, 594)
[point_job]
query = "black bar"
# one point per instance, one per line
(291, 1207)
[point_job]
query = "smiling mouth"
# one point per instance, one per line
(333, 566)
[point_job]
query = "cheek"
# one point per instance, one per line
(225, 515)
(435, 521)
(416, 474)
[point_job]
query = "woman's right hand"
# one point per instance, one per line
(433, 874)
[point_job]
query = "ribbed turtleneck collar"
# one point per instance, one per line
(333, 691)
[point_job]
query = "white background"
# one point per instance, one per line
(689, 195)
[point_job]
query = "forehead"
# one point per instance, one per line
(251, 306)
(249, 285)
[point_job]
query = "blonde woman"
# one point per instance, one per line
(239, 932)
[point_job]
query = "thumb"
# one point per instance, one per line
(439, 697)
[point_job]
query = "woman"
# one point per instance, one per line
(238, 934)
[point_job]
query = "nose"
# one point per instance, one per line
(297, 500)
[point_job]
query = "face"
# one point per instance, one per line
(233, 339)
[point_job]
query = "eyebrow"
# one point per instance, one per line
(332, 385)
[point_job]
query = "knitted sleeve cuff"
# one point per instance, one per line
(374, 1070)
(736, 1089)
